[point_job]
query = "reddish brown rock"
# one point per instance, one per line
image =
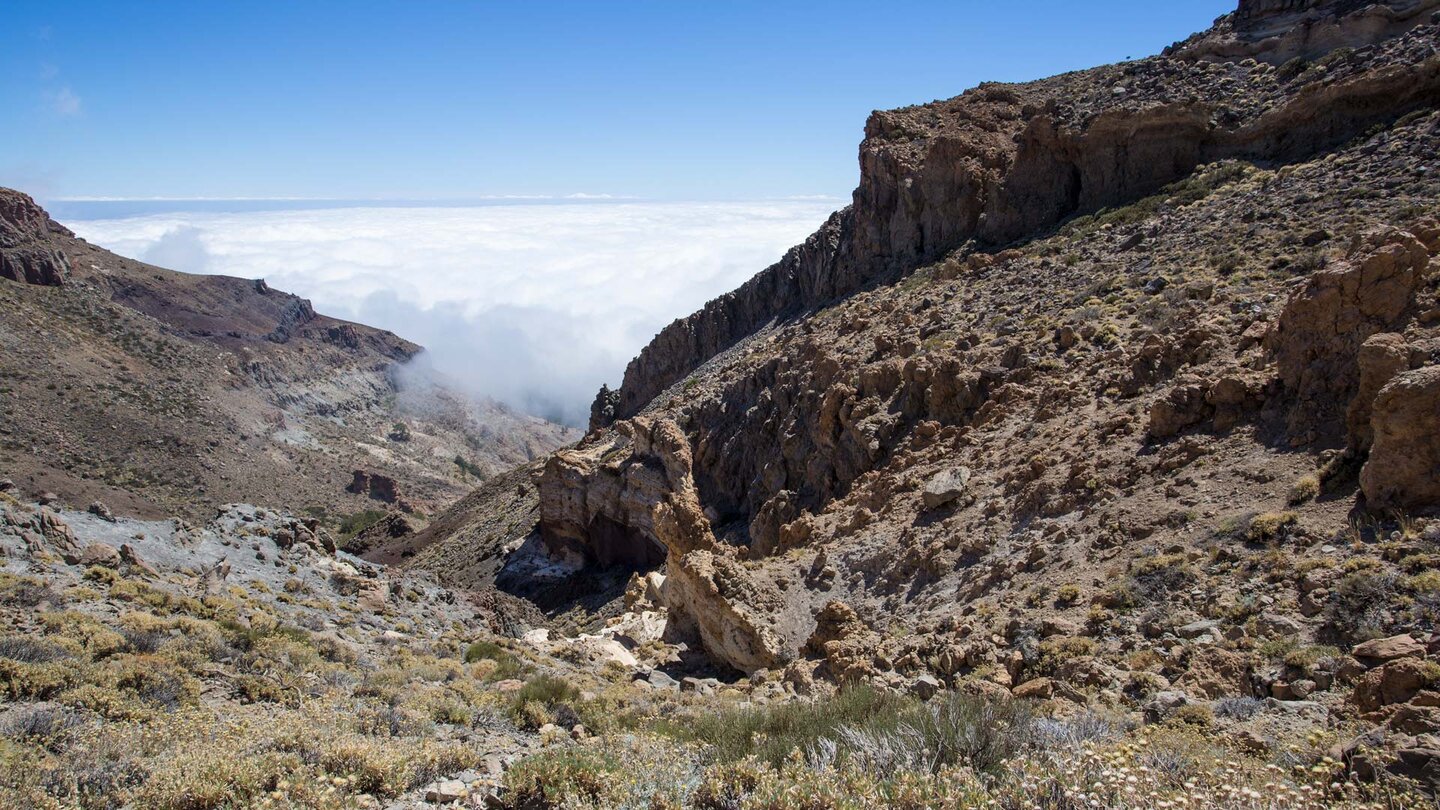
(1395, 682)
(1216, 673)
(1318, 337)
(1004, 161)
(26, 254)
(100, 554)
(1380, 650)
(1381, 357)
(1035, 689)
(1403, 470)
(1277, 31)
(381, 488)
(836, 621)
(1179, 408)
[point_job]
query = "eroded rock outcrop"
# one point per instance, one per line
(634, 503)
(1277, 31)
(379, 487)
(1105, 382)
(1403, 470)
(1351, 344)
(1320, 338)
(25, 254)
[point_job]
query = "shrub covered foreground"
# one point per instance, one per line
(865, 750)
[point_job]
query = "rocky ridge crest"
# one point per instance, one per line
(1002, 163)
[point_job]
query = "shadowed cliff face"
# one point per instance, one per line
(1002, 163)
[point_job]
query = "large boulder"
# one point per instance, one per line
(1377, 651)
(1381, 357)
(713, 599)
(1395, 682)
(102, 554)
(945, 487)
(1183, 405)
(1403, 471)
(1215, 673)
(1318, 337)
(836, 621)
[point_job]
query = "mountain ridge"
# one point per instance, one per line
(979, 167)
(253, 391)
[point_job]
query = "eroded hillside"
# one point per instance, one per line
(160, 392)
(1117, 387)
(1089, 459)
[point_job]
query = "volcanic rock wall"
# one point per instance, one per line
(1004, 162)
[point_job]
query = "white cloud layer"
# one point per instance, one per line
(535, 305)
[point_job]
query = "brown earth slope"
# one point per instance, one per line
(1118, 386)
(167, 393)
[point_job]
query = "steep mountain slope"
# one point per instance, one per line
(1004, 162)
(1117, 386)
(161, 392)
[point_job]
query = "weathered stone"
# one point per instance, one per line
(658, 679)
(1056, 626)
(945, 487)
(1183, 406)
(446, 792)
(700, 686)
(100, 554)
(26, 252)
(924, 686)
(1198, 628)
(1380, 358)
(1395, 682)
(1253, 741)
(1272, 625)
(131, 558)
(644, 510)
(1403, 470)
(1215, 673)
(1318, 337)
(606, 650)
(1036, 688)
(1379, 650)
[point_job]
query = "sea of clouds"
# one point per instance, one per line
(533, 304)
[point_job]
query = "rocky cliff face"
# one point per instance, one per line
(1277, 31)
(25, 253)
(1005, 163)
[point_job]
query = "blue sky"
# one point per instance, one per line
(659, 100)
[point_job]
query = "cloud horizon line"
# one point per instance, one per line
(578, 196)
(533, 305)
